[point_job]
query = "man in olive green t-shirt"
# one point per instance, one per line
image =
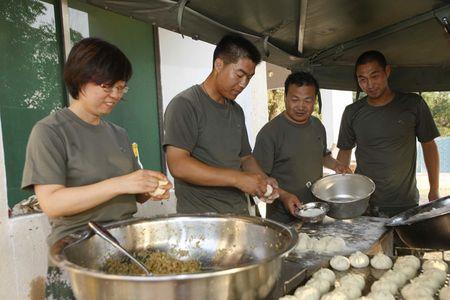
(383, 126)
(206, 140)
(292, 148)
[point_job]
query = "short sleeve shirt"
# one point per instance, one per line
(214, 134)
(385, 140)
(65, 150)
(293, 155)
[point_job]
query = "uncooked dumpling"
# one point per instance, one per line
(304, 243)
(359, 260)
(384, 285)
(335, 295)
(321, 285)
(444, 293)
(325, 274)
(288, 297)
(409, 260)
(350, 289)
(435, 274)
(159, 190)
(269, 191)
(380, 295)
(407, 270)
(355, 279)
(381, 261)
(340, 263)
(416, 291)
(336, 244)
(322, 243)
(435, 264)
(427, 281)
(396, 277)
(307, 292)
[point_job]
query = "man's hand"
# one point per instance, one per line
(251, 183)
(342, 169)
(433, 195)
(275, 193)
(291, 203)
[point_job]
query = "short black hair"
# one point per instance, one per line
(95, 60)
(300, 79)
(370, 56)
(231, 48)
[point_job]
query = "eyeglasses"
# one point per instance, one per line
(110, 89)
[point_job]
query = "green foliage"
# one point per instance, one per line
(276, 104)
(439, 103)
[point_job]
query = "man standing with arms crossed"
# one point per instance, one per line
(383, 126)
(206, 142)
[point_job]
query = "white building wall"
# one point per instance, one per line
(333, 105)
(185, 62)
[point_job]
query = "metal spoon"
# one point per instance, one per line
(104, 234)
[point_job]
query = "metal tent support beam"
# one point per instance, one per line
(337, 49)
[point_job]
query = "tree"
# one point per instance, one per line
(439, 103)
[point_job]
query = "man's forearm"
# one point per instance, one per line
(329, 162)
(344, 157)
(249, 164)
(194, 171)
(431, 157)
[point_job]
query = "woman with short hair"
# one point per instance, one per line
(81, 166)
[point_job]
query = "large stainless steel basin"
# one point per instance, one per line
(242, 256)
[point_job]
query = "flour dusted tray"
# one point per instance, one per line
(360, 234)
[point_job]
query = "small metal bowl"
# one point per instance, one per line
(302, 215)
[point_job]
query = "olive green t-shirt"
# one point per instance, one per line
(214, 134)
(385, 140)
(292, 154)
(63, 149)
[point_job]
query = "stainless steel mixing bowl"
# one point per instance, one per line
(346, 194)
(241, 256)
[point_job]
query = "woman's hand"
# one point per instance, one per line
(141, 182)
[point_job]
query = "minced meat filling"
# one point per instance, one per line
(159, 263)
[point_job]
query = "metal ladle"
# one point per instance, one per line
(104, 234)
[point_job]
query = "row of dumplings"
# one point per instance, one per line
(326, 244)
(350, 286)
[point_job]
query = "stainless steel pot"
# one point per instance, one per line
(425, 226)
(347, 194)
(242, 255)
